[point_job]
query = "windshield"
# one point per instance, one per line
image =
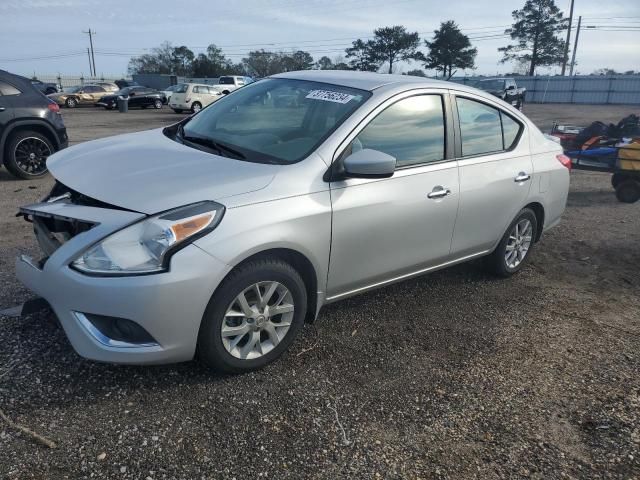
(276, 120)
(181, 88)
(490, 84)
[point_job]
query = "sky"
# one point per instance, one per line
(46, 37)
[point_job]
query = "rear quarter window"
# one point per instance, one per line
(8, 89)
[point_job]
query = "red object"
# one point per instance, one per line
(54, 107)
(564, 160)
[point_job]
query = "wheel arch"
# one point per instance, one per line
(538, 210)
(35, 125)
(303, 266)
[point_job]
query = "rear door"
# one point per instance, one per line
(387, 229)
(495, 173)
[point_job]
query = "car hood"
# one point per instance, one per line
(149, 173)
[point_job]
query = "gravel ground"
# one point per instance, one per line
(453, 375)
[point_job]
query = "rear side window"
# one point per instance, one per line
(485, 129)
(7, 89)
(411, 130)
(226, 81)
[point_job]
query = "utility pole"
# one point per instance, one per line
(89, 56)
(565, 57)
(93, 58)
(575, 47)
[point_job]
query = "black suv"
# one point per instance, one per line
(31, 127)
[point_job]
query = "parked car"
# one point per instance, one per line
(220, 235)
(142, 97)
(169, 91)
(504, 88)
(80, 95)
(229, 83)
(122, 83)
(45, 87)
(108, 86)
(193, 96)
(31, 127)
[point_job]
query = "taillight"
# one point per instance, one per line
(54, 107)
(564, 160)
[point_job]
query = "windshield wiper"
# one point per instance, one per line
(221, 148)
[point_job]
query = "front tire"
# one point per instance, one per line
(157, 104)
(27, 153)
(71, 102)
(514, 250)
(253, 317)
(196, 107)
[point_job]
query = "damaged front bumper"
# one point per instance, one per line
(141, 319)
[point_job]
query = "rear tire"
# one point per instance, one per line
(26, 154)
(514, 250)
(252, 347)
(628, 191)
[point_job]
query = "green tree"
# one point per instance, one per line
(393, 44)
(534, 30)
(262, 63)
(324, 63)
(361, 55)
(299, 60)
(160, 60)
(449, 49)
(181, 58)
(211, 64)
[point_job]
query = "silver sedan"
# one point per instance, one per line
(222, 234)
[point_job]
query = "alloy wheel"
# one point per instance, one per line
(257, 320)
(31, 155)
(519, 243)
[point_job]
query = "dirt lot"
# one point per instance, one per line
(454, 375)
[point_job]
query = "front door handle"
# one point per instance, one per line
(439, 192)
(522, 177)
(2, 109)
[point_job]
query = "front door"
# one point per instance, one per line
(385, 229)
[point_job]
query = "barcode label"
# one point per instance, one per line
(328, 96)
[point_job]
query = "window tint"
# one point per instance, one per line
(511, 129)
(226, 81)
(485, 129)
(480, 127)
(411, 130)
(6, 89)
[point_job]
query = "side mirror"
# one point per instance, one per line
(511, 87)
(132, 94)
(368, 163)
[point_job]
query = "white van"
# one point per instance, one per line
(192, 96)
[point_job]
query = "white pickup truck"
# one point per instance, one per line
(229, 83)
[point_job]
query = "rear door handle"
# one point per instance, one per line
(522, 177)
(439, 192)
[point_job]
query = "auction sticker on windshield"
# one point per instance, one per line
(329, 96)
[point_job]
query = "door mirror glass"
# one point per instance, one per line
(368, 163)
(511, 87)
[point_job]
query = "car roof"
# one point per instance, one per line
(362, 80)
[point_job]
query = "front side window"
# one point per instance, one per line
(485, 129)
(411, 130)
(276, 120)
